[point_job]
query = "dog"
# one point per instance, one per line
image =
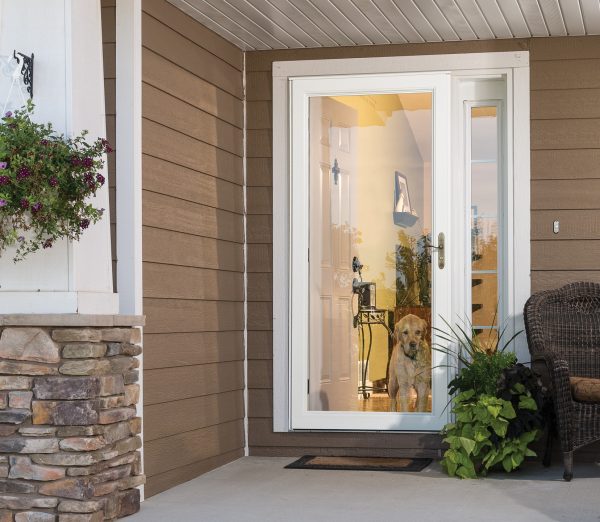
(410, 364)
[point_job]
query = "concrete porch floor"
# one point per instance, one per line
(260, 489)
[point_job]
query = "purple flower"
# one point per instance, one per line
(20, 239)
(24, 203)
(3, 165)
(75, 161)
(100, 179)
(53, 182)
(4, 180)
(8, 114)
(3, 203)
(47, 243)
(44, 142)
(84, 223)
(88, 162)
(23, 173)
(36, 207)
(88, 178)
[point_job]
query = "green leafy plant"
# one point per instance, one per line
(46, 181)
(498, 409)
(478, 438)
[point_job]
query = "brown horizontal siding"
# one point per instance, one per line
(193, 252)
(565, 169)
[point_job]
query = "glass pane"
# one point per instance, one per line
(484, 216)
(485, 299)
(370, 201)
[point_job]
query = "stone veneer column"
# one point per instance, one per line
(69, 434)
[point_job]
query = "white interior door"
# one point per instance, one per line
(333, 380)
(384, 200)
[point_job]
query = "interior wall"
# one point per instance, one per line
(565, 172)
(193, 242)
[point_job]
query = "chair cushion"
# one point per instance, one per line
(585, 389)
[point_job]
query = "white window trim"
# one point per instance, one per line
(518, 100)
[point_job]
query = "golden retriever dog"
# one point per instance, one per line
(410, 364)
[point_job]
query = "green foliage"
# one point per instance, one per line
(478, 438)
(482, 365)
(46, 181)
(412, 261)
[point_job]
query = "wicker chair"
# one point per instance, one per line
(563, 333)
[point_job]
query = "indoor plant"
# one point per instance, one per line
(497, 407)
(46, 181)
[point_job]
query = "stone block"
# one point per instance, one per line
(123, 349)
(132, 481)
(86, 367)
(12, 486)
(26, 502)
(136, 466)
(79, 431)
(105, 488)
(115, 415)
(28, 344)
(28, 445)
(117, 431)
(64, 413)
(24, 468)
(80, 517)
(83, 350)
(82, 443)
(77, 335)
(80, 506)
(132, 394)
(122, 335)
(3, 400)
(37, 431)
(114, 401)
(131, 377)
(14, 416)
(111, 385)
(3, 470)
(67, 459)
(135, 426)
(21, 368)
(122, 364)
(77, 488)
(6, 430)
(66, 388)
(6, 516)
(112, 474)
(20, 399)
(34, 516)
(127, 445)
(128, 502)
(15, 382)
(128, 458)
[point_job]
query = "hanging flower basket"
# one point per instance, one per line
(46, 182)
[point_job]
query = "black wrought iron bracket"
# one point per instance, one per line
(26, 70)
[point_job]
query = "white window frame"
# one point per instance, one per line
(518, 233)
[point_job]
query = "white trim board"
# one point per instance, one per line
(485, 64)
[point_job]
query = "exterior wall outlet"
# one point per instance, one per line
(556, 227)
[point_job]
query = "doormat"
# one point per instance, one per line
(359, 463)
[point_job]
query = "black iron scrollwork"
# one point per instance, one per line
(26, 70)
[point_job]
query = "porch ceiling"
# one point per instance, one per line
(283, 24)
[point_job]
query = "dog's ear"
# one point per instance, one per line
(396, 335)
(424, 325)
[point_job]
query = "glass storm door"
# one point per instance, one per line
(371, 263)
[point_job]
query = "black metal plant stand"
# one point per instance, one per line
(368, 318)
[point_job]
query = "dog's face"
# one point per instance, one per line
(409, 332)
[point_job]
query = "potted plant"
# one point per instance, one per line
(497, 408)
(46, 182)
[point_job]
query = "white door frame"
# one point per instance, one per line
(301, 89)
(519, 233)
